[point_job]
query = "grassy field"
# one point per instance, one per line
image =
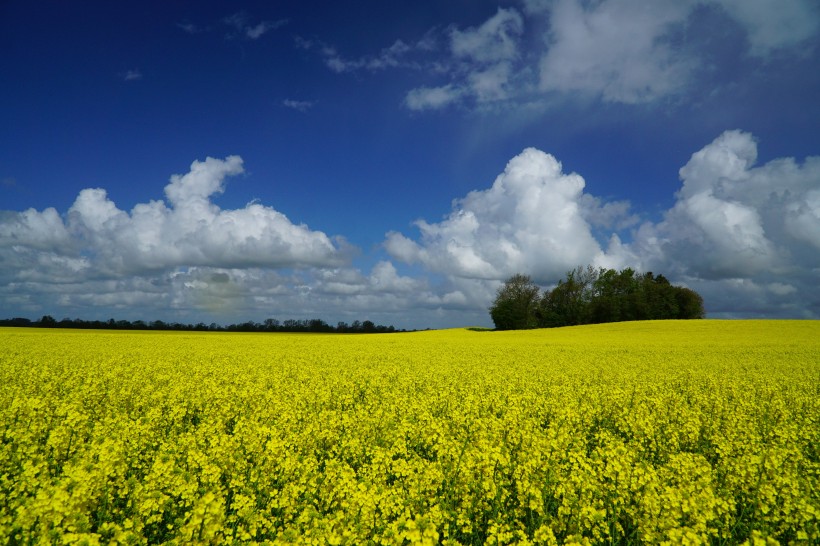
(628, 433)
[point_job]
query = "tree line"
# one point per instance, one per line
(590, 296)
(269, 325)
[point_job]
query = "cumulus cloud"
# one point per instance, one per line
(733, 219)
(735, 230)
(531, 219)
(803, 218)
(746, 236)
(184, 258)
(96, 238)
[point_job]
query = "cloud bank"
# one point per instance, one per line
(747, 236)
(95, 240)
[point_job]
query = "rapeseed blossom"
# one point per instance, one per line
(666, 432)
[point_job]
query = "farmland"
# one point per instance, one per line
(645, 432)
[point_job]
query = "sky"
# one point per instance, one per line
(397, 161)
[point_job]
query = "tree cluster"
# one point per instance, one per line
(269, 325)
(590, 296)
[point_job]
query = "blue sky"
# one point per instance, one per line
(231, 161)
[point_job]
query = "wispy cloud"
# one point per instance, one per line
(432, 98)
(398, 55)
(300, 105)
(241, 23)
(615, 51)
(262, 27)
(131, 75)
(192, 28)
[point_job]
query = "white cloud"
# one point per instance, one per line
(191, 28)
(300, 105)
(256, 31)
(397, 55)
(735, 229)
(479, 61)
(432, 98)
(774, 25)
(494, 41)
(745, 236)
(735, 220)
(188, 231)
(616, 51)
(240, 22)
(132, 75)
(482, 64)
(184, 258)
(531, 220)
(615, 215)
(803, 218)
(34, 230)
(491, 84)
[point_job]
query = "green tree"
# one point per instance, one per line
(589, 295)
(515, 304)
(690, 303)
(614, 296)
(568, 303)
(659, 296)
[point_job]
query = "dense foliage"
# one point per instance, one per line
(685, 432)
(592, 296)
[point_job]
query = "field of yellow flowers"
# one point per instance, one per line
(628, 433)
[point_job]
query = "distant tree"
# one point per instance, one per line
(47, 322)
(690, 303)
(659, 297)
(318, 325)
(515, 304)
(18, 322)
(568, 303)
(271, 325)
(613, 296)
(588, 295)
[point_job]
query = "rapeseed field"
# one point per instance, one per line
(671, 432)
